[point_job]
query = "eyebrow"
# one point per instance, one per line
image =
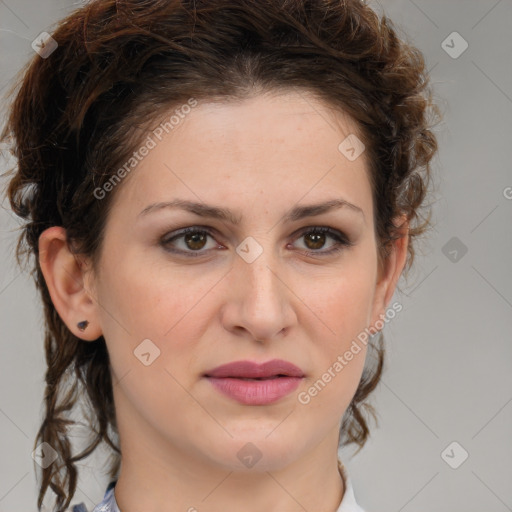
(224, 214)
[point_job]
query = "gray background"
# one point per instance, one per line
(448, 376)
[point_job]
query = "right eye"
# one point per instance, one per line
(193, 240)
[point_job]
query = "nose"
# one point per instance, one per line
(259, 301)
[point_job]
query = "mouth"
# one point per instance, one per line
(249, 370)
(251, 383)
(256, 378)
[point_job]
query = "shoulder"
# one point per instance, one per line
(107, 503)
(77, 508)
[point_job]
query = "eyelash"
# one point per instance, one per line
(341, 240)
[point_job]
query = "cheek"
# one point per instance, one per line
(340, 354)
(152, 302)
(344, 305)
(149, 331)
(345, 301)
(343, 350)
(151, 297)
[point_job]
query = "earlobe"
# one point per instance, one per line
(64, 277)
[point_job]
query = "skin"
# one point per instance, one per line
(179, 437)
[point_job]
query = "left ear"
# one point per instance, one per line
(390, 270)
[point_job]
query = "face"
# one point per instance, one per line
(257, 285)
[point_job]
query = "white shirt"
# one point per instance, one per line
(348, 503)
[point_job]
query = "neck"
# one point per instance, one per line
(178, 482)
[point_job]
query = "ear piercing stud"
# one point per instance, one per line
(82, 325)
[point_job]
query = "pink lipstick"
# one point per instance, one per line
(252, 383)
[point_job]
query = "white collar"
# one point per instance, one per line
(348, 503)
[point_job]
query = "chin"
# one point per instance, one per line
(254, 452)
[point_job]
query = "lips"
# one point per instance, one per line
(250, 383)
(252, 370)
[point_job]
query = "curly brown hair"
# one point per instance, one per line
(79, 113)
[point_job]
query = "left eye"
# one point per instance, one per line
(195, 239)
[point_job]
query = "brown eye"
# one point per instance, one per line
(195, 241)
(191, 241)
(315, 239)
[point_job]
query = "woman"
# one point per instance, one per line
(220, 197)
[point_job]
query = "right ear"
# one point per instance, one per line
(64, 274)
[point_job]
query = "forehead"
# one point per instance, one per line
(269, 148)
